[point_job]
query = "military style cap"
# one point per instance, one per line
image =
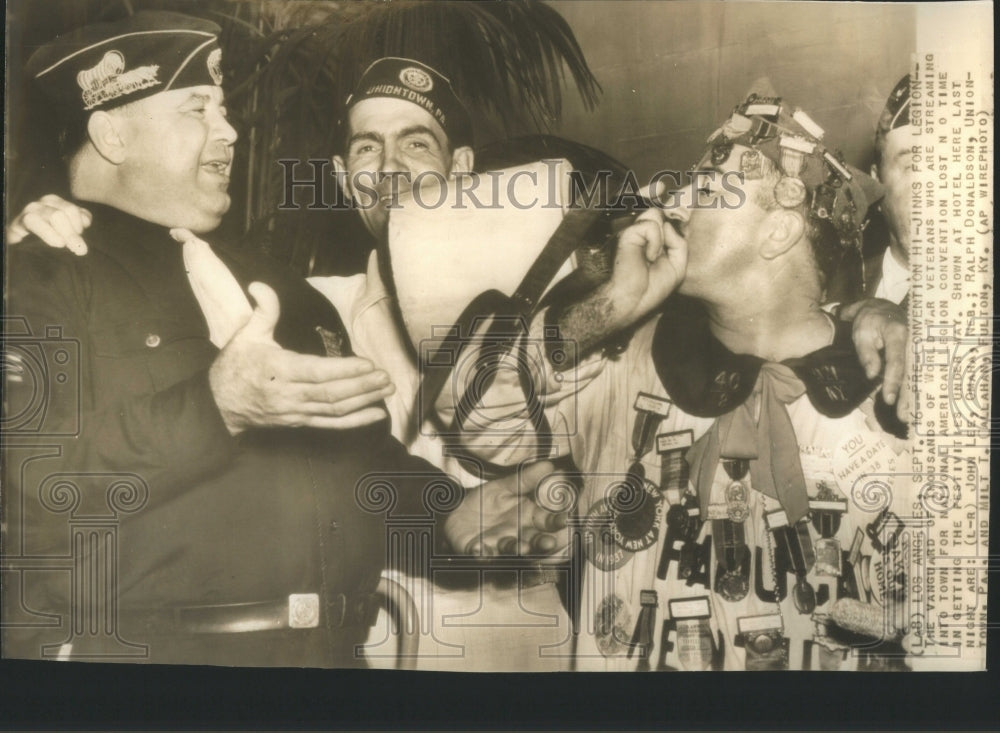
(897, 108)
(106, 65)
(418, 83)
(811, 173)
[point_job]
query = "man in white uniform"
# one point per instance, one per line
(738, 508)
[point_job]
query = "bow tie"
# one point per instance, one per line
(767, 442)
(706, 379)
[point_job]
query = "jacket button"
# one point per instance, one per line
(152, 340)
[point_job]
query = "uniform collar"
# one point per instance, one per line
(706, 379)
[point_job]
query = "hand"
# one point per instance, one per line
(256, 383)
(880, 331)
(506, 516)
(649, 265)
(55, 221)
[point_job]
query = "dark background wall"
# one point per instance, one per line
(672, 70)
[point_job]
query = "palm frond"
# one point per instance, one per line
(507, 58)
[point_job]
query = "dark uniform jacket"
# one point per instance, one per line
(117, 454)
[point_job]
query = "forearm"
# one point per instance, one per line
(497, 424)
(589, 322)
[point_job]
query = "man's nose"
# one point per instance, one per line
(391, 160)
(224, 131)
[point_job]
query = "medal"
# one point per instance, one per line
(825, 512)
(682, 520)
(789, 192)
(792, 157)
(763, 639)
(823, 200)
(732, 573)
(737, 504)
(828, 557)
(630, 515)
(695, 562)
(610, 623)
(650, 411)
(720, 152)
(804, 595)
(796, 542)
(732, 585)
(750, 164)
(737, 496)
(674, 469)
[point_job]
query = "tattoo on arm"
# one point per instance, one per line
(588, 322)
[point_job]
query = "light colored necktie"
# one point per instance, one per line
(222, 300)
(768, 442)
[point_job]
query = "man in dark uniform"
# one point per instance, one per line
(192, 478)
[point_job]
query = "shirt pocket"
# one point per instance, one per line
(135, 357)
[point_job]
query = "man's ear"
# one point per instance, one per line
(462, 160)
(782, 231)
(102, 129)
(343, 180)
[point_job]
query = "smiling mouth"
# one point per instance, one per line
(219, 167)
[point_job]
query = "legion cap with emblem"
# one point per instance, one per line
(897, 108)
(811, 171)
(105, 65)
(415, 82)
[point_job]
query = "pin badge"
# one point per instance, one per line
(303, 610)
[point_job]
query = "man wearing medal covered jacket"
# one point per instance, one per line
(742, 498)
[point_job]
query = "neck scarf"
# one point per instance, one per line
(706, 379)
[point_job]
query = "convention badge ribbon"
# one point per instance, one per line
(770, 444)
(795, 540)
(825, 514)
(637, 504)
(683, 517)
(650, 411)
(642, 637)
(732, 574)
(696, 649)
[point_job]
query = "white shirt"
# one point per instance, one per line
(364, 305)
(895, 281)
